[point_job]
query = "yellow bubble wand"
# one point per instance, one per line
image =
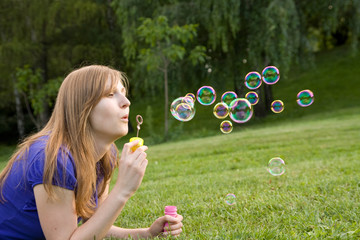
(139, 121)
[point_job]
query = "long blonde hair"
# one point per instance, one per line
(69, 126)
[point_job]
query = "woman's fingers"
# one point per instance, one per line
(175, 225)
(132, 168)
(127, 146)
(176, 232)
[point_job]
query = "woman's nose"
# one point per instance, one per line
(124, 101)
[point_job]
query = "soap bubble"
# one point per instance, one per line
(270, 75)
(276, 166)
(221, 110)
(226, 126)
(191, 95)
(252, 97)
(277, 106)
(253, 80)
(182, 109)
(240, 110)
(206, 95)
(305, 98)
(230, 199)
(228, 97)
(184, 112)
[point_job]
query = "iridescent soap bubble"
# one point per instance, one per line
(228, 97)
(270, 75)
(240, 110)
(277, 106)
(230, 199)
(276, 166)
(305, 98)
(221, 110)
(253, 80)
(206, 95)
(226, 126)
(182, 109)
(191, 95)
(184, 112)
(253, 97)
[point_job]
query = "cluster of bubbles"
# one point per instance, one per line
(238, 109)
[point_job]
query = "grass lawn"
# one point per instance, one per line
(317, 197)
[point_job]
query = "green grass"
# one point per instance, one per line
(317, 197)
(5, 154)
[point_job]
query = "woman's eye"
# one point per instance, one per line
(110, 94)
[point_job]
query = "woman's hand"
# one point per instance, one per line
(132, 168)
(174, 229)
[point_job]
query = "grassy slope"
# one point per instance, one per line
(316, 197)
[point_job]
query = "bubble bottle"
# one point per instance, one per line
(139, 121)
(171, 211)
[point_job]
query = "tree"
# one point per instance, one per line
(52, 38)
(167, 45)
(35, 96)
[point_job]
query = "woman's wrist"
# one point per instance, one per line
(120, 194)
(147, 233)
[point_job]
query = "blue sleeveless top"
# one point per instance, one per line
(18, 214)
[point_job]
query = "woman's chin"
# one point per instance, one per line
(122, 134)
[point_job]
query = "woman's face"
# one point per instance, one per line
(109, 118)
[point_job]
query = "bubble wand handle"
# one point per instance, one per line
(139, 121)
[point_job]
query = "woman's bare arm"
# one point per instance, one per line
(58, 218)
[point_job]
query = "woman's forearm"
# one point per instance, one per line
(98, 225)
(126, 233)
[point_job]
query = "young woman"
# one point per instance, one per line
(61, 174)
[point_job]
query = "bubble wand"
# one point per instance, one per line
(139, 121)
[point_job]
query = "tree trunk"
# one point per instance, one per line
(19, 113)
(166, 109)
(44, 115)
(109, 15)
(263, 107)
(268, 97)
(260, 108)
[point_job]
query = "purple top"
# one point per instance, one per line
(18, 215)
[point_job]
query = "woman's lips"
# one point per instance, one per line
(125, 118)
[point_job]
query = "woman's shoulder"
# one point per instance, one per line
(64, 163)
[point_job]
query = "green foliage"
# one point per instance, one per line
(239, 35)
(198, 55)
(166, 44)
(28, 83)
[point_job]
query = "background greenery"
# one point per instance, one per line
(204, 43)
